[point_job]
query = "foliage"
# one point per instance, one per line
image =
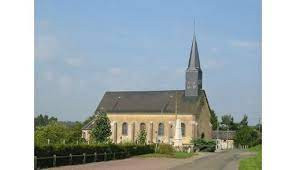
(141, 138)
(204, 145)
(214, 120)
(165, 149)
(244, 121)
(179, 155)
(41, 120)
(57, 133)
(102, 130)
(253, 162)
(183, 155)
(228, 121)
(100, 149)
(90, 118)
(247, 136)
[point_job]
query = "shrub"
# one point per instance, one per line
(247, 136)
(141, 138)
(204, 145)
(165, 149)
(100, 149)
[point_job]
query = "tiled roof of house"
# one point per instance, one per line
(223, 134)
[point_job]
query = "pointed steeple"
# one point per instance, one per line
(194, 56)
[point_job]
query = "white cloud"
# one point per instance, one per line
(115, 71)
(45, 47)
(214, 50)
(180, 71)
(74, 62)
(245, 44)
(211, 64)
(48, 76)
(65, 84)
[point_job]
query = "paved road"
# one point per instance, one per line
(204, 161)
(219, 161)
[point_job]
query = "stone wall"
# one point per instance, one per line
(151, 121)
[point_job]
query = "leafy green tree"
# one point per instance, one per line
(54, 131)
(102, 130)
(74, 133)
(246, 136)
(41, 120)
(214, 120)
(228, 121)
(244, 121)
(141, 138)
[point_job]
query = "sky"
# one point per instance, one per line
(84, 48)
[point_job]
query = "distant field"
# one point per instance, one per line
(253, 163)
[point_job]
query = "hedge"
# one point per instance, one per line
(204, 145)
(121, 151)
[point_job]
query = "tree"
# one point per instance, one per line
(244, 121)
(102, 130)
(228, 121)
(214, 120)
(41, 120)
(246, 136)
(141, 138)
(54, 131)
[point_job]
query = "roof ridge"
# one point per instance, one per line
(142, 91)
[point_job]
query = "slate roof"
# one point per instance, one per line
(194, 56)
(89, 125)
(223, 134)
(149, 101)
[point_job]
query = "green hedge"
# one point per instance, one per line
(121, 151)
(204, 145)
(165, 149)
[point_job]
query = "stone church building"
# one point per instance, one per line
(157, 111)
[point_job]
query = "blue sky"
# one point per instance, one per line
(84, 48)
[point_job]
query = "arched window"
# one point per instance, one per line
(160, 129)
(183, 129)
(124, 129)
(143, 126)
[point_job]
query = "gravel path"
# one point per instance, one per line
(203, 161)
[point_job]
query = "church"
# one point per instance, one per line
(157, 112)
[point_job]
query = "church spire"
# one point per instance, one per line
(194, 56)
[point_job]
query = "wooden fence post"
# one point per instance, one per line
(35, 162)
(54, 160)
(84, 158)
(70, 159)
(95, 159)
(105, 156)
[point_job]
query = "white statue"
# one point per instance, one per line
(178, 134)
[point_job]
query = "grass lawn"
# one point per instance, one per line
(252, 163)
(179, 155)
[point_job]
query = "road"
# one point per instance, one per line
(219, 161)
(228, 160)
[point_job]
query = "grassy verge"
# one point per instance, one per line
(179, 155)
(252, 163)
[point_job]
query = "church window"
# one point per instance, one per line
(124, 128)
(202, 135)
(183, 129)
(160, 129)
(142, 126)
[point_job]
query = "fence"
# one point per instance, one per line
(53, 161)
